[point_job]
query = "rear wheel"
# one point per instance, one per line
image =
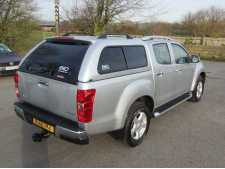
(137, 124)
(199, 90)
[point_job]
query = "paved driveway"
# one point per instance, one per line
(191, 135)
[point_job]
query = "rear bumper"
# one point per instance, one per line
(65, 129)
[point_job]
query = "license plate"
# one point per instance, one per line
(12, 68)
(44, 125)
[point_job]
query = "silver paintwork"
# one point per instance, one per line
(115, 92)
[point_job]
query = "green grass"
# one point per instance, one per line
(213, 58)
(213, 53)
(205, 52)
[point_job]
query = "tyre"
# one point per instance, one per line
(137, 124)
(199, 90)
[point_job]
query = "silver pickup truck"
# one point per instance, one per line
(76, 86)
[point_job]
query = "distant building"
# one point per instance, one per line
(47, 26)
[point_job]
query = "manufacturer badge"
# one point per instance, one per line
(64, 69)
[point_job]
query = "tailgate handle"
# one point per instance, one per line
(179, 70)
(160, 74)
(41, 83)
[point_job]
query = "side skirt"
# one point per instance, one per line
(171, 104)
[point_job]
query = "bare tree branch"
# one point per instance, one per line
(102, 12)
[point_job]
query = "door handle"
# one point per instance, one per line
(41, 83)
(179, 70)
(160, 74)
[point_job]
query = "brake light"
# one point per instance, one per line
(85, 105)
(16, 79)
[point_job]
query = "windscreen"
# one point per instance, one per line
(59, 60)
(4, 49)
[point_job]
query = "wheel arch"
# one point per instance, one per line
(141, 90)
(198, 72)
(203, 75)
(149, 102)
(196, 77)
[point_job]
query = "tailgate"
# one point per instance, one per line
(48, 94)
(48, 76)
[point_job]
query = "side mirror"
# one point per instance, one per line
(195, 59)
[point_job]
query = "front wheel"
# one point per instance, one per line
(137, 124)
(199, 90)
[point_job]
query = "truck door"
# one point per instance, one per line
(184, 69)
(164, 70)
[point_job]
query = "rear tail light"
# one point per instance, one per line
(85, 105)
(16, 79)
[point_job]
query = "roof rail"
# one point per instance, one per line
(105, 36)
(148, 38)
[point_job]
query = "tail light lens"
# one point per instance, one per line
(85, 105)
(16, 79)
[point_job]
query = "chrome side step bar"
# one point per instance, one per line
(158, 113)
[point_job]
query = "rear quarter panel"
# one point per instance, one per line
(114, 97)
(115, 92)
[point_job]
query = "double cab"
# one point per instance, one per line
(76, 86)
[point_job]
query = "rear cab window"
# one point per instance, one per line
(112, 60)
(135, 56)
(58, 59)
(121, 58)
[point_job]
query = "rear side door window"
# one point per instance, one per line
(162, 53)
(135, 56)
(112, 60)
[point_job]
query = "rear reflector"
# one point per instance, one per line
(16, 79)
(85, 105)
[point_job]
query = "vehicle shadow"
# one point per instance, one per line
(33, 154)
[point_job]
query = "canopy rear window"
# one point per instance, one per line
(58, 59)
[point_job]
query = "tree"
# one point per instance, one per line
(107, 10)
(16, 20)
(98, 14)
(208, 22)
(81, 20)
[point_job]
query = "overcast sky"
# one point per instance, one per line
(175, 9)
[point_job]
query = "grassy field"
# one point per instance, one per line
(207, 48)
(215, 53)
(207, 52)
